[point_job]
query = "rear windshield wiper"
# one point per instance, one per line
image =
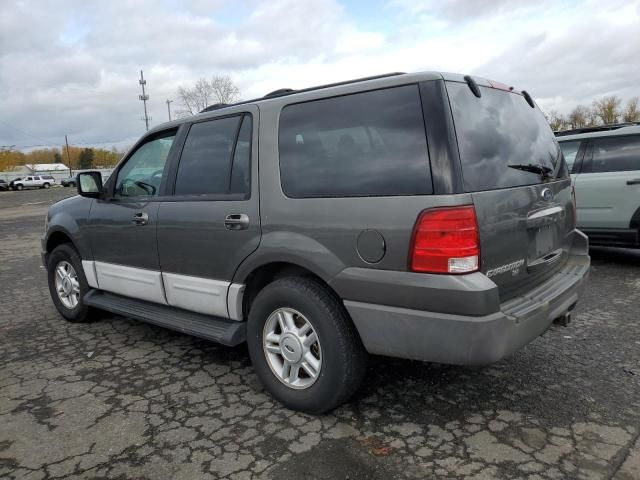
(542, 170)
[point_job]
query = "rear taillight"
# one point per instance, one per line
(446, 240)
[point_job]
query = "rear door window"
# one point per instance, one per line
(616, 154)
(364, 144)
(497, 130)
(205, 165)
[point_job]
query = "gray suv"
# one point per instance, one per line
(426, 216)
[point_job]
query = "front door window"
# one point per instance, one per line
(142, 174)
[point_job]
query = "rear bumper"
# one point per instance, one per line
(614, 237)
(473, 340)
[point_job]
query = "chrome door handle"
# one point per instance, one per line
(140, 219)
(236, 221)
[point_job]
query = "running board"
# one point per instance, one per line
(226, 332)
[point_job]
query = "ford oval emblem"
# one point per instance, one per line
(546, 194)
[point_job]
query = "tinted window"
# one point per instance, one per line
(141, 175)
(366, 144)
(497, 130)
(618, 154)
(205, 164)
(241, 167)
(570, 151)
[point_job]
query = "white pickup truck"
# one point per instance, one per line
(33, 181)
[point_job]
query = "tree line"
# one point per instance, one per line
(606, 111)
(76, 158)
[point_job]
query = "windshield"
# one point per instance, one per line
(501, 129)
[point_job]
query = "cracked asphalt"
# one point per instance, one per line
(120, 399)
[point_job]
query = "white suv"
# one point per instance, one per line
(605, 170)
(34, 181)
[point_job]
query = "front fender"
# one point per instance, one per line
(70, 217)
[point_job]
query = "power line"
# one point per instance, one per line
(54, 145)
(22, 131)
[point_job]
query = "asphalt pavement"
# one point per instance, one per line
(120, 399)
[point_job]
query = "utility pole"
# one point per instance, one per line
(144, 97)
(68, 157)
(169, 107)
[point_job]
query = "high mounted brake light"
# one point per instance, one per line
(446, 240)
(500, 86)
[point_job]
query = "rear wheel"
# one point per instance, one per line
(303, 345)
(67, 283)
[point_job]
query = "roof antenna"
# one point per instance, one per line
(473, 85)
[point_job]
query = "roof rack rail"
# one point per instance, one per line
(279, 92)
(598, 128)
(215, 106)
(289, 91)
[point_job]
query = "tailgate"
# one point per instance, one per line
(524, 238)
(513, 166)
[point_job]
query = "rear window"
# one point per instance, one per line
(497, 130)
(364, 144)
(616, 154)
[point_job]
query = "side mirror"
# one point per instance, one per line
(89, 184)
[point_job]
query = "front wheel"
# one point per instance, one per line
(46, 185)
(19, 187)
(303, 345)
(67, 283)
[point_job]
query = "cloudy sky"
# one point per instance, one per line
(72, 66)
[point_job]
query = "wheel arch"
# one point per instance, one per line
(266, 273)
(56, 238)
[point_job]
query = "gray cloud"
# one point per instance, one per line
(73, 68)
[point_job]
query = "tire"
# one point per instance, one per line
(66, 253)
(46, 185)
(343, 358)
(19, 187)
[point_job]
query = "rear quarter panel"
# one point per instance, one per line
(321, 234)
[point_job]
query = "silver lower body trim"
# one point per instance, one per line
(89, 268)
(219, 298)
(234, 301)
(198, 294)
(131, 282)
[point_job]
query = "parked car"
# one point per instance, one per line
(33, 181)
(68, 182)
(13, 182)
(4, 185)
(347, 229)
(605, 167)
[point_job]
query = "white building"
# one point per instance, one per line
(42, 168)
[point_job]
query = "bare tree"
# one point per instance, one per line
(631, 112)
(224, 90)
(220, 89)
(579, 117)
(608, 109)
(556, 121)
